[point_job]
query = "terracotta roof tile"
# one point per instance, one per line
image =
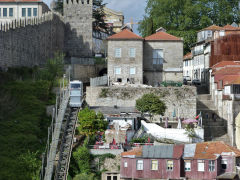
(226, 63)
(162, 36)
(125, 34)
(210, 150)
(228, 71)
(187, 56)
(230, 28)
(134, 152)
(235, 81)
(213, 27)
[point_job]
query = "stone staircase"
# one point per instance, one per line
(215, 129)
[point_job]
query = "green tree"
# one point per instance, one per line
(90, 122)
(82, 158)
(183, 18)
(84, 176)
(150, 103)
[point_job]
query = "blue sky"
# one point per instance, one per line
(134, 9)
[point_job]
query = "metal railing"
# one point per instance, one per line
(51, 156)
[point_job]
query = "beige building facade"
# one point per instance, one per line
(13, 9)
(114, 19)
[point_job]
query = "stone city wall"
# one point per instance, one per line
(182, 98)
(30, 42)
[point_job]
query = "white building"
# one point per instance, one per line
(19, 9)
(198, 66)
(187, 66)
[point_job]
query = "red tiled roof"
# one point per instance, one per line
(236, 81)
(125, 34)
(162, 36)
(213, 27)
(187, 56)
(209, 150)
(226, 63)
(134, 152)
(20, 1)
(228, 71)
(230, 28)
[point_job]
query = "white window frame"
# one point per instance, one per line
(117, 70)
(154, 165)
(132, 70)
(201, 165)
(132, 52)
(118, 52)
(9, 12)
(139, 164)
(125, 164)
(187, 165)
(211, 165)
(169, 168)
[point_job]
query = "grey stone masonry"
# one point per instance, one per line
(170, 70)
(78, 20)
(30, 42)
(125, 62)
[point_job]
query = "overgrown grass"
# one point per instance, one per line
(24, 95)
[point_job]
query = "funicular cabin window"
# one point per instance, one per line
(75, 86)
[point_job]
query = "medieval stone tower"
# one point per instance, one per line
(78, 20)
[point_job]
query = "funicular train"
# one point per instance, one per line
(76, 94)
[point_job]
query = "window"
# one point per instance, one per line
(117, 70)
(154, 165)
(157, 56)
(132, 70)
(224, 164)
(187, 165)
(222, 33)
(118, 52)
(0, 12)
(139, 164)
(4, 12)
(29, 12)
(200, 165)
(109, 178)
(211, 165)
(10, 12)
(34, 11)
(114, 177)
(23, 12)
(125, 164)
(169, 165)
(132, 52)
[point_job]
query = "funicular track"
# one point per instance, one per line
(64, 155)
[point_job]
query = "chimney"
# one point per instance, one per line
(161, 29)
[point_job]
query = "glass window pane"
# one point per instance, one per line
(117, 70)
(10, 12)
(118, 52)
(139, 164)
(4, 12)
(187, 166)
(23, 12)
(200, 165)
(154, 165)
(132, 52)
(29, 12)
(34, 11)
(133, 70)
(169, 165)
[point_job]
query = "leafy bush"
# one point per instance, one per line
(90, 122)
(150, 103)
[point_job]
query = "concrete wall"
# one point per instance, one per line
(125, 62)
(173, 56)
(31, 42)
(78, 20)
(85, 72)
(183, 98)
